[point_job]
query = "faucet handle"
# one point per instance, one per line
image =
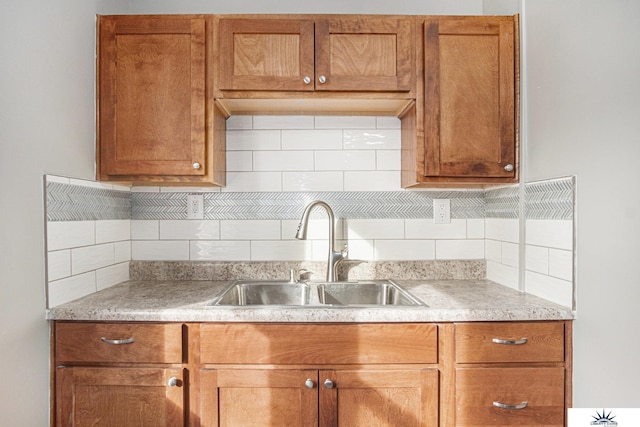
(296, 275)
(345, 251)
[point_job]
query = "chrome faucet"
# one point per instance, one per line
(334, 256)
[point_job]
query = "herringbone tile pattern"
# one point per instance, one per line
(67, 202)
(289, 205)
(553, 199)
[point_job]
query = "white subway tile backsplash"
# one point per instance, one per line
(312, 139)
(70, 288)
(550, 233)
(425, 228)
(113, 230)
(219, 250)
(70, 234)
(283, 122)
(313, 181)
(550, 288)
(249, 140)
(510, 254)
(189, 229)
(493, 250)
(315, 154)
(505, 229)
(283, 161)
(122, 251)
(239, 161)
(112, 275)
(388, 122)
(475, 228)
(399, 250)
(375, 228)
(388, 160)
(145, 229)
(160, 250)
(253, 181)
(503, 274)
(91, 258)
(459, 249)
(372, 181)
(280, 250)
(59, 264)
(345, 160)
(561, 264)
(537, 259)
(250, 229)
(239, 122)
(345, 122)
(372, 139)
(361, 249)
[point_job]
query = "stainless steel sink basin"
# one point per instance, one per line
(372, 293)
(264, 293)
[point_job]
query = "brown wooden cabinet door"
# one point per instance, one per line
(151, 94)
(384, 398)
(536, 396)
(123, 397)
(470, 98)
(259, 397)
(265, 54)
(364, 54)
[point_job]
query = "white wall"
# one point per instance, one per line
(583, 65)
(46, 126)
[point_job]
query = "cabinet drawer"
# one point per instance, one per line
(318, 343)
(509, 342)
(120, 342)
(541, 388)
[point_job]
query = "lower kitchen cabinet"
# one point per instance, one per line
(123, 397)
(311, 374)
(308, 397)
(508, 396)
(512, 373)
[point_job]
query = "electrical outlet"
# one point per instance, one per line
(195, 206)
(441, 211)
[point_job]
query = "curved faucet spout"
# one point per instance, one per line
(334, 256)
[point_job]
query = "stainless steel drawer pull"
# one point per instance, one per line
(505, 406)
(118, 342)
(510, 342)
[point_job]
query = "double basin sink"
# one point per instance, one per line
(372, 293)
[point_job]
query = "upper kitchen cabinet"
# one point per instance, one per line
(280, 63)
(156, 118)
(465, 130)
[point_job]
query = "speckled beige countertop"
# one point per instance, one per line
(187, 301)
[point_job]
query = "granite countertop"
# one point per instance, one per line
(187, 301)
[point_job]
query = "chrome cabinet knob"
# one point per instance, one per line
(508, 167)
(328, 383)
(309, 383)
(173, 381)
(196, 165)
(306, 80)
(322, 79)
